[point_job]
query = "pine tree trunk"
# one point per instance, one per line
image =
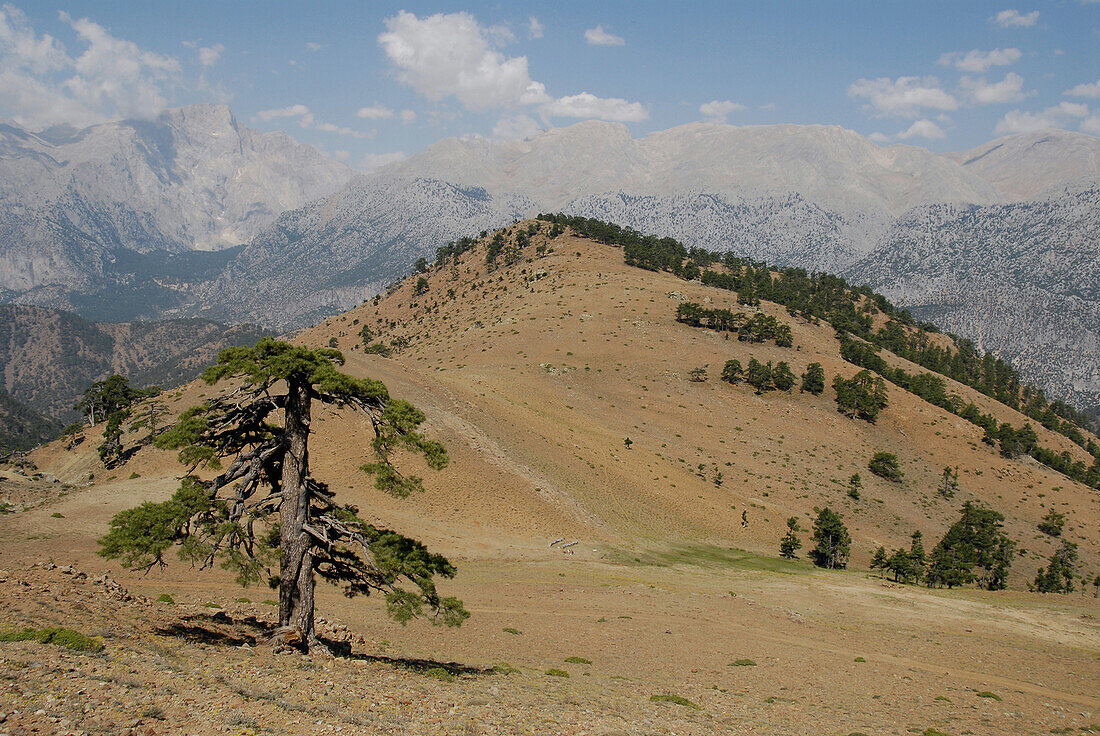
(296, 568)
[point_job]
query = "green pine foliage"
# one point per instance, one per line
(862, 396)
(974, 549)
(832, 543)
(885, 465)
(240, 519)
(813, 379)
(1060, 572)
(790, 544)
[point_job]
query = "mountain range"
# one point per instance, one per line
(996, 243)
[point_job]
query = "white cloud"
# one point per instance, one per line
(22, 48)
(445, 55)
(716, 111)
(979, 62)
(534, 28)
(599, 37)
(407, 116)
(306, 119)
(375, 112)
(1015, 19)
(42, 85)
(1091, 124)
(1057, 116)
(922, 129)
(903, 97)
(291, 111)
(375, 160)
(210, 55)
(516, 127)
(314, 46)
(587, 105)
(1090, 90)
(880, 138)
(1009, 89)
(452, 55)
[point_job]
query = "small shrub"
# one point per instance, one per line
(57, 515)
(678, 700)
(742, 663)
(933, 732)
(991, 696)
(557, 673)
(578, 660)
(68, 638)
(165, 598)
(503, 668)
(210, 605)
(134, 475)
(860, 659)
(885, 465)
(510, 630)
(440, 674)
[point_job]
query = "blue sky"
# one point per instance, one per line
(371, 81)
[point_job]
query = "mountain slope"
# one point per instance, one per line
(22, 428)
(1026, 164)
(334, 253)
(193, 179)
(48, 358)
(828, 165)
(1020, 279)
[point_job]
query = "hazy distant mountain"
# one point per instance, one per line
(48, 357)
(827, 165)
(1022, 280)
(1024, 165)
(333, 254)
(75, 202)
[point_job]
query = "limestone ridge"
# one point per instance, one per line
(193, 179)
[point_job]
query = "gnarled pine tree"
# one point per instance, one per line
(266, 508)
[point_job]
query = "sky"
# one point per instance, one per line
(373, 82)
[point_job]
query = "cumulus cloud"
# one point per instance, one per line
(452, 55)
(443, 55)
(306, 119)
(534, 28)
(979, 62)
(716, 111)
(587, 105)
(314, 46)
(375, 112)
(376, 160)
(42, 85)
(210, 55)
(599, 37)
(1015, 19)
(407, 116)
(1009, 89)
(880, 138)
(1090, 90)
(1056, 116)
(903, 97)
(922, 129)
(1091, 124)
(516, 127)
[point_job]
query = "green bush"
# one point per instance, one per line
(885, 465)
(68, 638)
(557, 673)
(578, 660)
(165, 598)
(743, 663)
(674, 699)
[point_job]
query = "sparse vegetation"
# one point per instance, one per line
(61, 637)
(677, 699)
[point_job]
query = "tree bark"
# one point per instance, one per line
(296, 580)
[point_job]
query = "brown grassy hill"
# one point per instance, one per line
(542, 369)
(48, 357)
(533, 375)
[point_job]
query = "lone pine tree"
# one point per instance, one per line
(266, 508)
